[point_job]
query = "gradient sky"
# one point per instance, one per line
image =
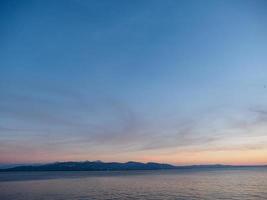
(183, 82)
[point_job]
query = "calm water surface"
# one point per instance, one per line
(248, 183)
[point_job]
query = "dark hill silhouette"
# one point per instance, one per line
(92, 166)
(109, 166)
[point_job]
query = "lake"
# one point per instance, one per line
(188, 184)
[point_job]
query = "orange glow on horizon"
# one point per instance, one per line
(233, 157)
(237, 157)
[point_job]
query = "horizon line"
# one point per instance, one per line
(175, 165)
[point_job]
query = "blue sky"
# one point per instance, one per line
(133, 80)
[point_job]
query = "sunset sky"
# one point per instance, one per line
(180, 82)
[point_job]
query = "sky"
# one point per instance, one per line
(180, 82)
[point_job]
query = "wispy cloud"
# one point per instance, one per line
(108, 123)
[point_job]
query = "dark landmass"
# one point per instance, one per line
(92, 166)
(110, 166)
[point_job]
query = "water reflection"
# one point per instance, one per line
(173, 184)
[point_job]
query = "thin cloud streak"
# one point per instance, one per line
(129, 131)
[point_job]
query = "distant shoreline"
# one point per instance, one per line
(115, 166)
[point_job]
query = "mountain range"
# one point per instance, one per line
(109, 166)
